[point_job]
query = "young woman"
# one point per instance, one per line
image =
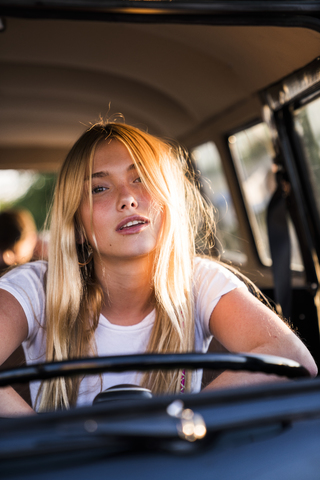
(123, 276)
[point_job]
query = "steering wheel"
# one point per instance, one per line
(145, 362)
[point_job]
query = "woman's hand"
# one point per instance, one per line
(11, 404)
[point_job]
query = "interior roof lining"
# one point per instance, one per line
(173, 79)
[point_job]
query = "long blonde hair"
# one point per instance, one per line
(74, 297)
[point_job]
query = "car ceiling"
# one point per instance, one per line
(57, 76)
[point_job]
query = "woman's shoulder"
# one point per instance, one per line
(36, 266)
(27, 285)
(211, 272)
(211, 280)
(32, 271)
(210, 264)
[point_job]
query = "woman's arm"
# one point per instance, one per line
(241, 323)
(13, 331)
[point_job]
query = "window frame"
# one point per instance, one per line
(280, 100)
(303, 171)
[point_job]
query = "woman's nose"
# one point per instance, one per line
(126, 200)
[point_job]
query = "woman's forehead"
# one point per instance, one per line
(110, 150)
(111, 155)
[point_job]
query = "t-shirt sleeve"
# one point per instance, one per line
(26, 284)
(211, 281)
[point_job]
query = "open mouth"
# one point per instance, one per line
(133, 223)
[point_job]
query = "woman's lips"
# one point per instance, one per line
(131, 225)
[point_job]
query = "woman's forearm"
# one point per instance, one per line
(230, 379)
(243, 378)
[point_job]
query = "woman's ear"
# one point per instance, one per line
(79, 238)
(79, 234)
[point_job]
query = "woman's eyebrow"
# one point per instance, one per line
(100, 174)
(106, 174)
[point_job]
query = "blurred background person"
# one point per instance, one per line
(18, 238)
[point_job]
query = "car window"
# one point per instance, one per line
(307, 125)
(215, 188)
(253, 154)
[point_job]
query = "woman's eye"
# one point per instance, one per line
(137, 180)
(98, 189)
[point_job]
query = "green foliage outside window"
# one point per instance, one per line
(37, 199)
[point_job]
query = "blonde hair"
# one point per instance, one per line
(73, 305)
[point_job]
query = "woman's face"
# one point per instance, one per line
(125, 220)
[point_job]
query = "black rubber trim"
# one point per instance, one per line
(94, 365)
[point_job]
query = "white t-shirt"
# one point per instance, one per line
(25, 283)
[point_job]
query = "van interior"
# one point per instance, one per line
(241, 95)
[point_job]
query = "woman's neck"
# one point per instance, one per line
(128, 290)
